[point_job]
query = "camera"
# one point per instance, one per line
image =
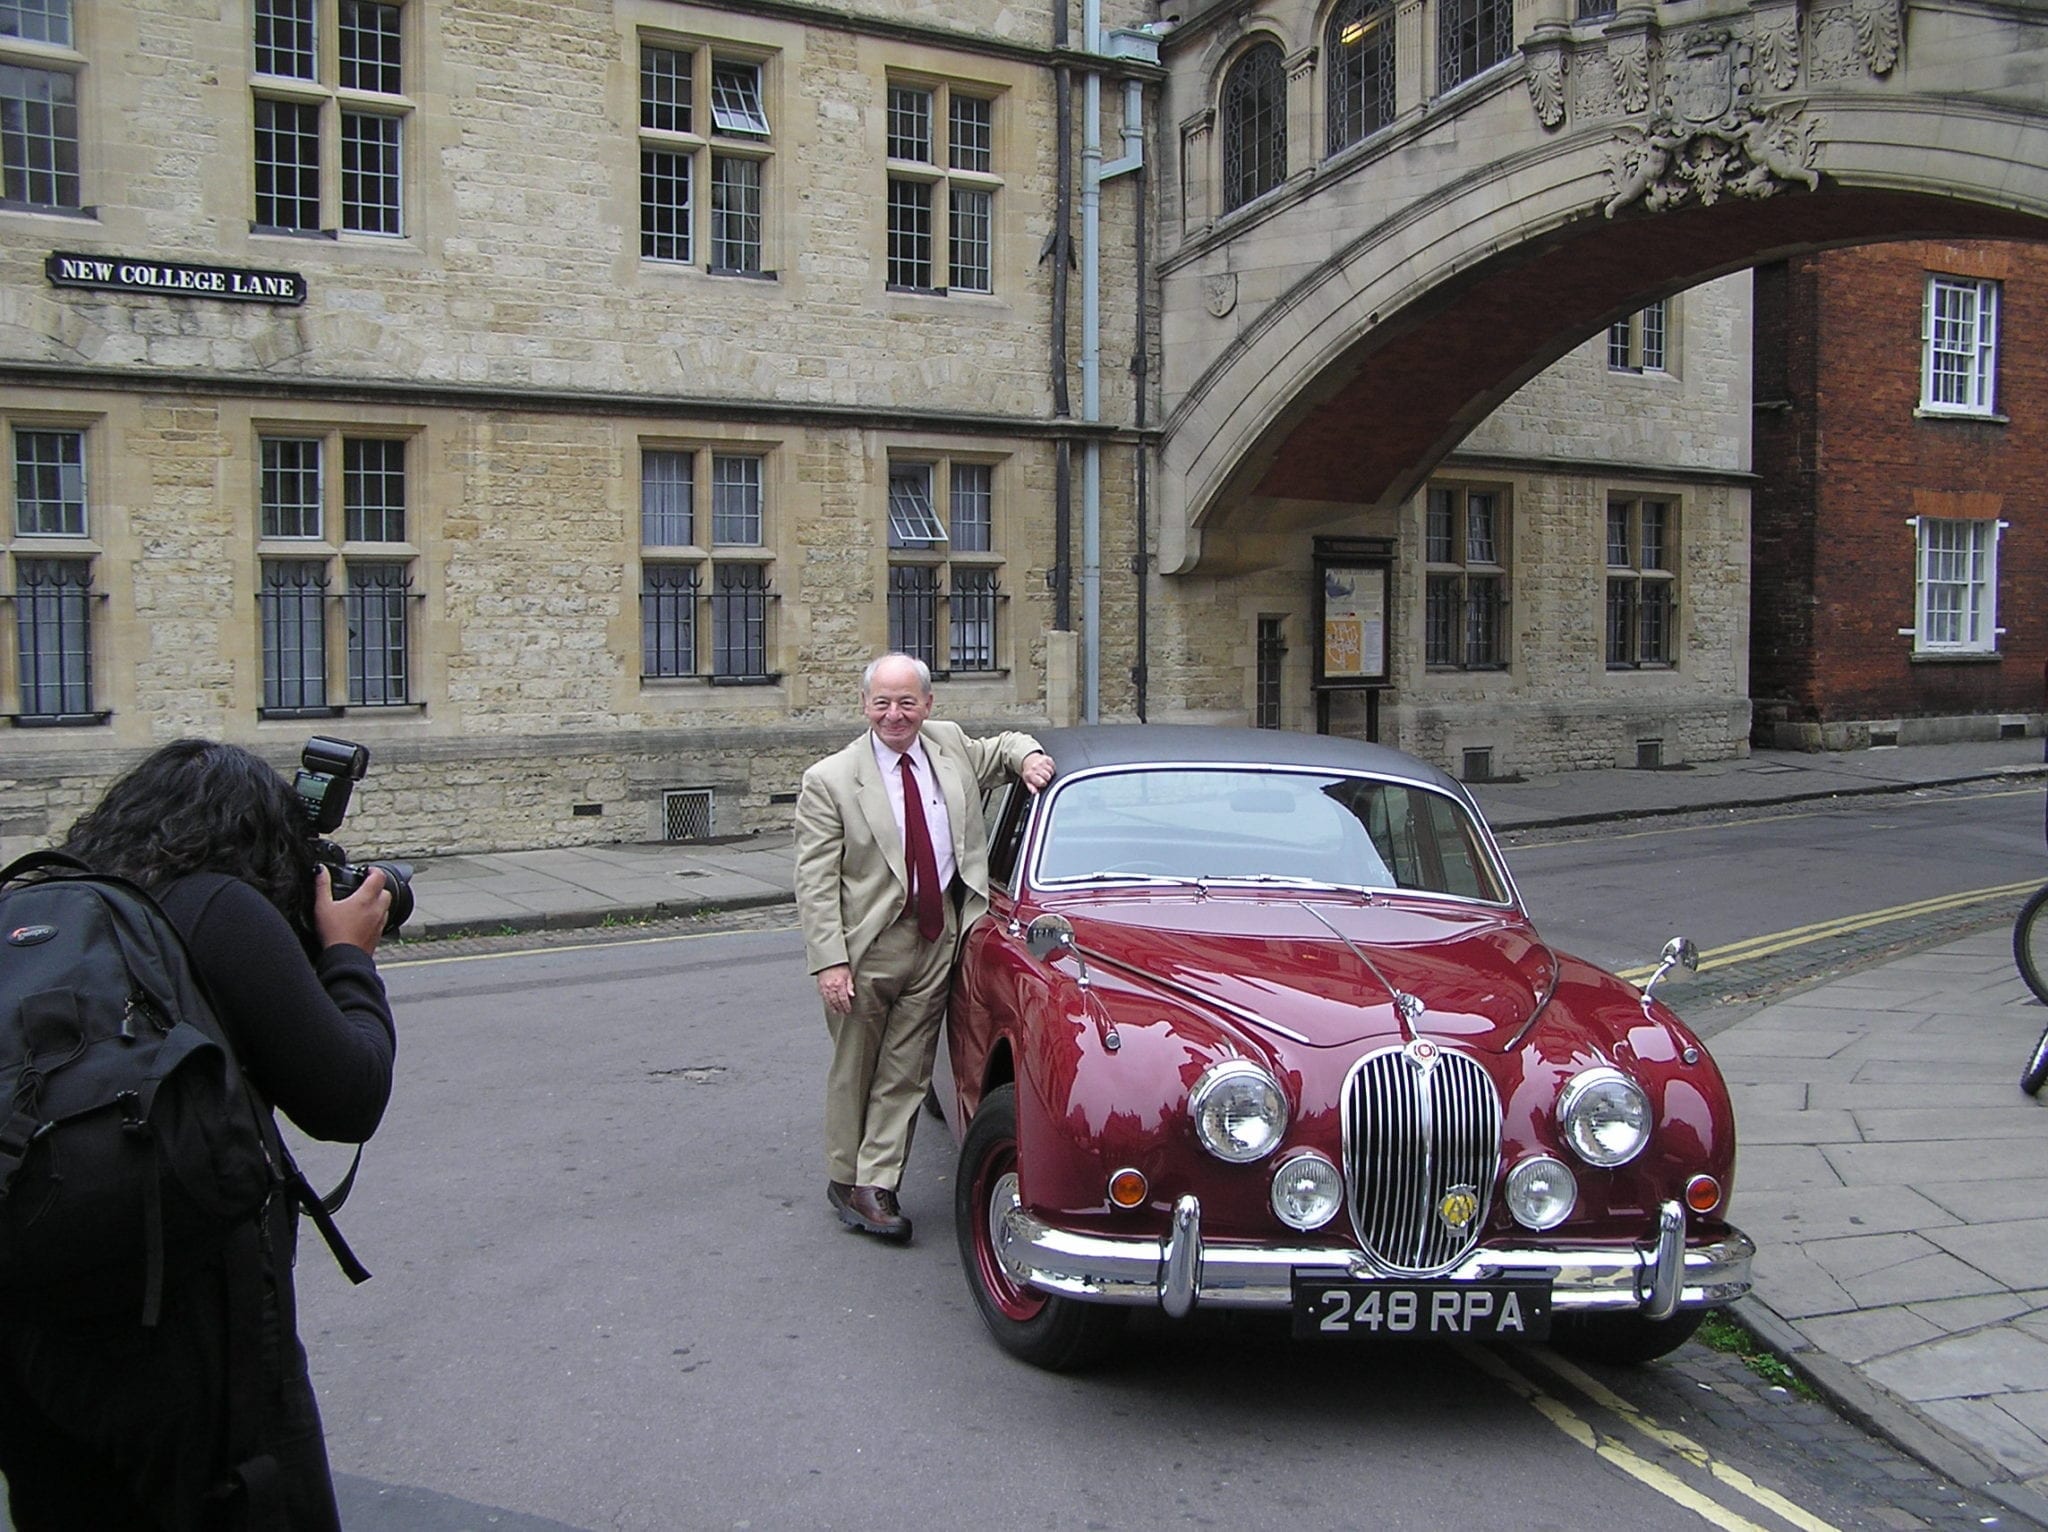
(328, 772)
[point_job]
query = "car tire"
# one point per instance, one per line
(1624, 1340)
(1058, 1334)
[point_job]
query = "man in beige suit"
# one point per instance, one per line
(891, 868)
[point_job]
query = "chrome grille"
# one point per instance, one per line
(1421, 1126)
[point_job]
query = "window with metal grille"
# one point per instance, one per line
(377, 605)
(1359, 43)
(53, 633)
(971, 240)
(1272, 650)
(291, 486)
(49, 483)
(1471, 37)
(686, 813)
(373, 489)
(910, 124)
(1959, 366)
(1254, 126)
(38, 137)
(287, 165)
(1465, 586)
(668, 620)
(970, 132)
(914, 611)
(1642, 584)
(972, 606)
(739, 621)
(1956, 599)
(292, 604)
(1636, 344)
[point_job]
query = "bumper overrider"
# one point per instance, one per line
(1656, 1279)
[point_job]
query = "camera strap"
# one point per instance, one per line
(321, 1210)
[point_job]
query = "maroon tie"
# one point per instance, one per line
(924, 866)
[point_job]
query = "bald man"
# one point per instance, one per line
(891, 868)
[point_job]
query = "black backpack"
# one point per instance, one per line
(130, 1139)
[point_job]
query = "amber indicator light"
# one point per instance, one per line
(1127, 1188)
(1703, 1194)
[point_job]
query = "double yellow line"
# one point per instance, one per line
(1822, 930)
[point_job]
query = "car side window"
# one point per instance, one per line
(1002, 810)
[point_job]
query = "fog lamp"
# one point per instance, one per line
(1307, 1191)
(1541, 1192)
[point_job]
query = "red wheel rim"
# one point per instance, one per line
(1014, 1302)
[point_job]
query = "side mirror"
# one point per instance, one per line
(1049, 934)
(1679, 952)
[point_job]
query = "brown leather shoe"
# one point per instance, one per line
(836, 1192)
(873, 1210)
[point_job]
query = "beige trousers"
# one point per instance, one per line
(882, 1053)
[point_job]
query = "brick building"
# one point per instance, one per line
(1901, 506)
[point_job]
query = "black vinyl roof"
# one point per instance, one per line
(1127, 744)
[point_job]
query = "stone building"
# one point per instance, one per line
(565, 401)
(1902, 497)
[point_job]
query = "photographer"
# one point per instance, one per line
(207, 1419)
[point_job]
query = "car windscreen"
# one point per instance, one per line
(1219, 824)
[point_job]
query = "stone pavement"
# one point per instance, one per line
(1886, 1166)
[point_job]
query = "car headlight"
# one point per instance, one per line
(1604, 1116)
(1306, 1191)
(1541, 1192)
(1239, 1111)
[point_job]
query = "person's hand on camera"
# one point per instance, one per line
(358, 920)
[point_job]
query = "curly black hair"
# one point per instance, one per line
(197, 805)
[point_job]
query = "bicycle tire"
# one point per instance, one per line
(2030, 943)
(2036, 1073)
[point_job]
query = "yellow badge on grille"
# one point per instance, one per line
(1459, 1207)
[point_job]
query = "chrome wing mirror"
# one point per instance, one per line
(1679, 952)
(1055, 933)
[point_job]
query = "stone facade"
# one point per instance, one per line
(526, 357)
(1853, 457)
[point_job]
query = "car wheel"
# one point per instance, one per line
(1623, 1339)
(1048, 1331)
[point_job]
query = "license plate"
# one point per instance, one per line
(1444, 1310)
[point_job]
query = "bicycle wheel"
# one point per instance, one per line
(2030, 943)
(2036, 1072)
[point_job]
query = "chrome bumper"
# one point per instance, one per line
(1180, 1271)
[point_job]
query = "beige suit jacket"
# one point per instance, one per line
(851, 879)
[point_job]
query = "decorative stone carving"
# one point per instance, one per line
(1546, 86)
(1707, 140)
(1219, 292)
(1848, 40)
(1629, 59)
(1777, 53)
(1879, 31)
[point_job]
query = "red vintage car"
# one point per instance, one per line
(1257, 1020)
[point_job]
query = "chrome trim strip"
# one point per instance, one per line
(1134, 1271)
(1666, 1264)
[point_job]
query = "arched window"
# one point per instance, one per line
(1360, 47)
(1254, 126)
(1471, 37)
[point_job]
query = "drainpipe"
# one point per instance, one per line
(1059, 250)
(1123, 44)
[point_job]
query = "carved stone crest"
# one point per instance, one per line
(1706, 140)
(1219, 292)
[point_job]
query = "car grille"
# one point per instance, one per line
(1422, 1142)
